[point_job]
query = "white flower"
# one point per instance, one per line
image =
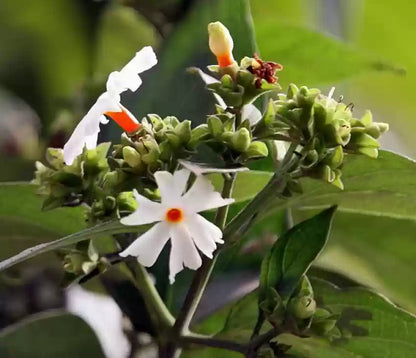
(177, 219)
(250, 111)
(86, 132)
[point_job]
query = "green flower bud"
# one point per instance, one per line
(149, 149)
(126, 201)
(198, 134)
(55, 157)
(109, 202)
(215, 126)
(183, 131)
(292, 91)
(302, 307)
(165, 151)
(173, 140)
(241, 140)
(256, 149)
(131, 157)
(73, 263)
(227, 137)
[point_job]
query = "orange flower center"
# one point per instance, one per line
(124, 120)
(174, 215)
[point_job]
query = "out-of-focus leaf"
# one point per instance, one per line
(373, 327)
(309, 57)
(116, 48)
(383, 186)
(50, 335)
(381, 250)
(293, 253)
(45, 51)
(23, 223)
(397, 106)
(169, 89)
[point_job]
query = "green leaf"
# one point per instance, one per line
(381, 250)
(373, 327)
(50, 335)
(22, 223)
(293, 253)
(235, 321)
(173, 91)
(309, 57)
(383, 186)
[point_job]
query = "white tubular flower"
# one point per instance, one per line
(177, 219)
(86, 132)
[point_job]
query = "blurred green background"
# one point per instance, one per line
(56, 55)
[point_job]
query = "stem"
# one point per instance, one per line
(243, 220)
(212, 342)
(201, 277)
(151, 297)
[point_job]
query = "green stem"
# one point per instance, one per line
(201, 277)
(212, 342)
(152, 298)
(243, 220)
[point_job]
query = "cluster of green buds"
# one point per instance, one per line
(84, 259)
(239, 84)
(300, 314)
(233, 141)
(324, 130)
(70, 185)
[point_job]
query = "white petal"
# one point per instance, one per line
(171, 187)
(86, 132)
(252, 113)
(147, 212)
(183, 251)
(202, 196)
(144, 60)
(91, 140)
(147, 247)
(128, 78)
(204, 234)
(119, 82)
(74, 146)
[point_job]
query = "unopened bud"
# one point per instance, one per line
(256, 149)
(221, 43)
(302, 307)
(131, 157)
(241, 140)
(183, 130)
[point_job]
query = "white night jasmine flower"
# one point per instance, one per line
(86, 132)
(177, 219)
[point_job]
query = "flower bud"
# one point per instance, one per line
(183, 131)
(215, 126)
(256, 149)
(241, 140)
(221, 43)
(73, 263)
(149, 149)
(131, 157)
(302, 307)
(126, 201)
(198, 134)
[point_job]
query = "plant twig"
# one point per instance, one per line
(212, 342)
(202, 275)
